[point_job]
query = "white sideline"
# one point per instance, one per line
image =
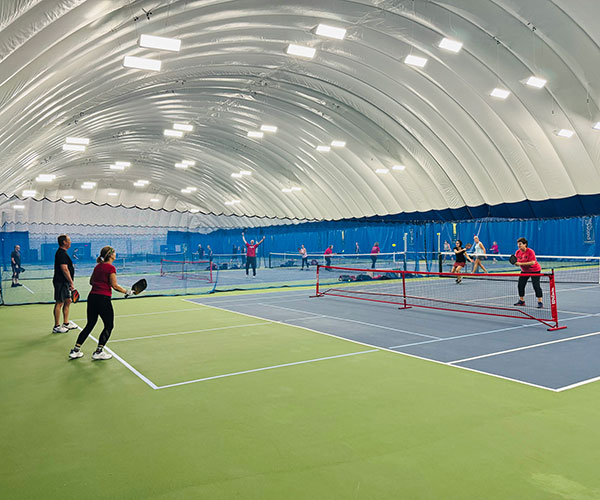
(265, 368)
(523, 348)
(28, 289)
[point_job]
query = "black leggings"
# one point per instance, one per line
(98, 305)
(251, 262)
(535, 281)
(305, 261)
(373, 261)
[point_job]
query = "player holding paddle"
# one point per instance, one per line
(525, 258)
(479, 253)
(103, 281)
(461, 257)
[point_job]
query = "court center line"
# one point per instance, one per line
(145, 379)
(266, 368)
(409, 355)
(355, 321)
(498, 353)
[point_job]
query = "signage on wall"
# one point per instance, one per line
(589, 234)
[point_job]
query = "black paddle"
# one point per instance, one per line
(513, 259)
(138, 287)
(74, 296)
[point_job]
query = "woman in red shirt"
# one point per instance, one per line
(529, 265)
(103, 281)
(374, 251)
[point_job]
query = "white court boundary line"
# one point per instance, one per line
(381, 348)
(523, 348)
(266, 368)
(28, 289)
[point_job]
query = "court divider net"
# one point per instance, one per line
(487, 294)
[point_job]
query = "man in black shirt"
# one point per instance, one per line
(64, 273)
(200, 252)
(15, 264)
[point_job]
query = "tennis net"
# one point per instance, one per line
(567, 269)
(182, 269)
(489, 294)
(391, 260)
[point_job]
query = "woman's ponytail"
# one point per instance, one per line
(105, 254)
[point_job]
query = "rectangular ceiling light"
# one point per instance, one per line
(185, 191)
(159, 42)
(417, 61)
(181, 165)
(191, 189)
(123, 163)
(300, 50)
(500, 93)
(398, 167)
(173, 133)
(45, 178)
(138, 184)
(117, 167)
(191, 163)
(382, 170)
(18, 207)
(154, 200)
(331, 31)
(77, 140)
(245, 172)
(563, 132)
(296, 188)
(324, 149)
(143, 182)
(256, 134)
(112, 193)
(183, 126)
(268, 128)
(597, 126)
(236, 175)
(73, 147)
(195, 210)
(451, 45)
(87, 186)
(534, 81)
(68, 196)
(338, 144)
(29, 192)
(286, 190)
(141, 63)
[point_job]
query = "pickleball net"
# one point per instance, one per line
(487, 294)
(567, 269)
(183, 269)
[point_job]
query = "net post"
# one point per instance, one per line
(270, 260)
(440, 262)
(553, 306)
(317, 293)
(405, 306)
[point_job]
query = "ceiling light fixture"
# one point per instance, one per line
(398, 167)
(338, 144)
(77, 140)
(117, 167)
(123, 163)
(191, 163)
(45, 178)
(563, 132)
(173, 133)
(500, 93)
(183, 127)
(29, 192)
(68, 196)
(324, 149)
(245, 172)
(141, 63)
(268, 128)
(73, 147)
(382, 170)
(330, 31)
(596, 126)
(181, 165)
(286, 190)
(255, 134)
(450, 45)
(236, 175)
(534, 81)
(18, 207)
(301, 51)
(112, 193)
(159, 42)
(417, 61)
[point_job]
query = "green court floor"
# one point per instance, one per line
(339, 421)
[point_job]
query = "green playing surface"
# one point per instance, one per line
(357, 425)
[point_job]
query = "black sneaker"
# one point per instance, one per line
(520, 303)
(540, 305)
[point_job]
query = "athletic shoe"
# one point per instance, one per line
(59, 329)
(75, 354)
(70, 325)
(19, 284)
(540, 305)
(101, 355)
(520, 303)
(14, 285)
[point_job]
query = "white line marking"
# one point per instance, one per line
(578, 384)
(523, 348)
(356, 321)
(265, 368)
(414, 356)
(28, 289)
(126, 364)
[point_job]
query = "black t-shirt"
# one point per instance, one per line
(200, 252)
(16, 256)
(62, 257)
(460, 257)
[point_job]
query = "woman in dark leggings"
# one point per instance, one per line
(529, 265)
(103, 281)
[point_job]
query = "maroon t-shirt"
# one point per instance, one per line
(328, 251)
(101, 279)
(375, 250)
(251, 250)
(527, 256)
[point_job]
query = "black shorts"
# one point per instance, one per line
(15, 270)
(62, 292)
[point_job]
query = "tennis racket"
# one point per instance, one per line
(139, 286)
(75, 296)
(513, 259)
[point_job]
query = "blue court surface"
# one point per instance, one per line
(513, 349)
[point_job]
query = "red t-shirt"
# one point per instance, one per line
(329, 251)
(375, 250)
(101, 279)
(528, 256)
(251, 250)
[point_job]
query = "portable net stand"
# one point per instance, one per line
(181, 269)
(487, 294)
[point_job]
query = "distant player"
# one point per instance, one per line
(357, 248)
(461, 257)
(15, 264)
(251, 254)
(304, 256)
(479, 252)
(328, 254)
(103, 281)
(527, 261)
(200, 252)
(374, 251)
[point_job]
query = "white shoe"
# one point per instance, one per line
(101, 355)
(75, 354)
(59, 329)
(70, 325)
